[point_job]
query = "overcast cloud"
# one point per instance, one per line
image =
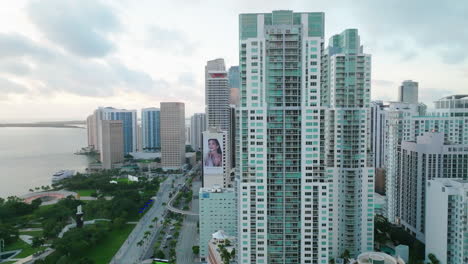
(67, 57)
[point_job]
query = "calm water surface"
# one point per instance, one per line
(29, 156)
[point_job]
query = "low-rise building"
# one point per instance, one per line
(218, 211)
(220, 246)
(377, 258)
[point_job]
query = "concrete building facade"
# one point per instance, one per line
(218, 211)
(446, 214)
(112, 150)
(172, 135)
(427, 158)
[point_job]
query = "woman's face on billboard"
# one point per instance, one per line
(212, 145)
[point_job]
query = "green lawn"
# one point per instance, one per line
(86, 192)
(103, 252)
(123, 180)
(32, 233)
(27, 250)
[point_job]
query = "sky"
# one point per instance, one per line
(61, 59)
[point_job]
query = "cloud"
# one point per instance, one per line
(63, 72)
(428, 24)
(187, 79)
(9, 87)
(383, 83)
(15, 45)
(170, 40)
(81, 27)
(429, 95)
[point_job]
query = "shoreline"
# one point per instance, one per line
(41, 125)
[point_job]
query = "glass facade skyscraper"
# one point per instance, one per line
(305, 182)
(151, 128)
(129, 119)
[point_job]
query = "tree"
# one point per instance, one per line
(433, 259)
(196, 250)
(160, 254)
(31, 190)
(346, 255)
(37, 242)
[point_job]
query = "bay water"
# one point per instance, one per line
(30, 155)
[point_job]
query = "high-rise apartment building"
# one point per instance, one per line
(197, 126)
(424, 159)
(450, 117)
(303, 158)
(112, 147)
(218, 211)
(446, 214)
(408, 92)
(172, 135)
(151, 128)
(345, 89)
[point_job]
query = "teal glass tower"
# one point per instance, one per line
(290, 175)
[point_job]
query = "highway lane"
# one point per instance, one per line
(188, 235)
(130, 252)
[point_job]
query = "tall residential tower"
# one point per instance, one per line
(303, 157)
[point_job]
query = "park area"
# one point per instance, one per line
(33, 227)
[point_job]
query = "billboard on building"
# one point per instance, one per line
(213, 152)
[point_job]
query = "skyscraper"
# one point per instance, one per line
(408, 92)
(172, 135)
(197, 126)
(129, 118)
(217, 96)
(421, 160)
(345, 89)
(234, 85)
(409, 121)
(112, 150)
(151, 128)
(92, 131)
(303, 158)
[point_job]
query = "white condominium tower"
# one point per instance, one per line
(447, 211)
(217, 96)
(303, 163)
(449, 117)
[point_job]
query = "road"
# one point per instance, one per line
(188, 235)
(131, 252)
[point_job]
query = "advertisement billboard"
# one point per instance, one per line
(213, 153)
